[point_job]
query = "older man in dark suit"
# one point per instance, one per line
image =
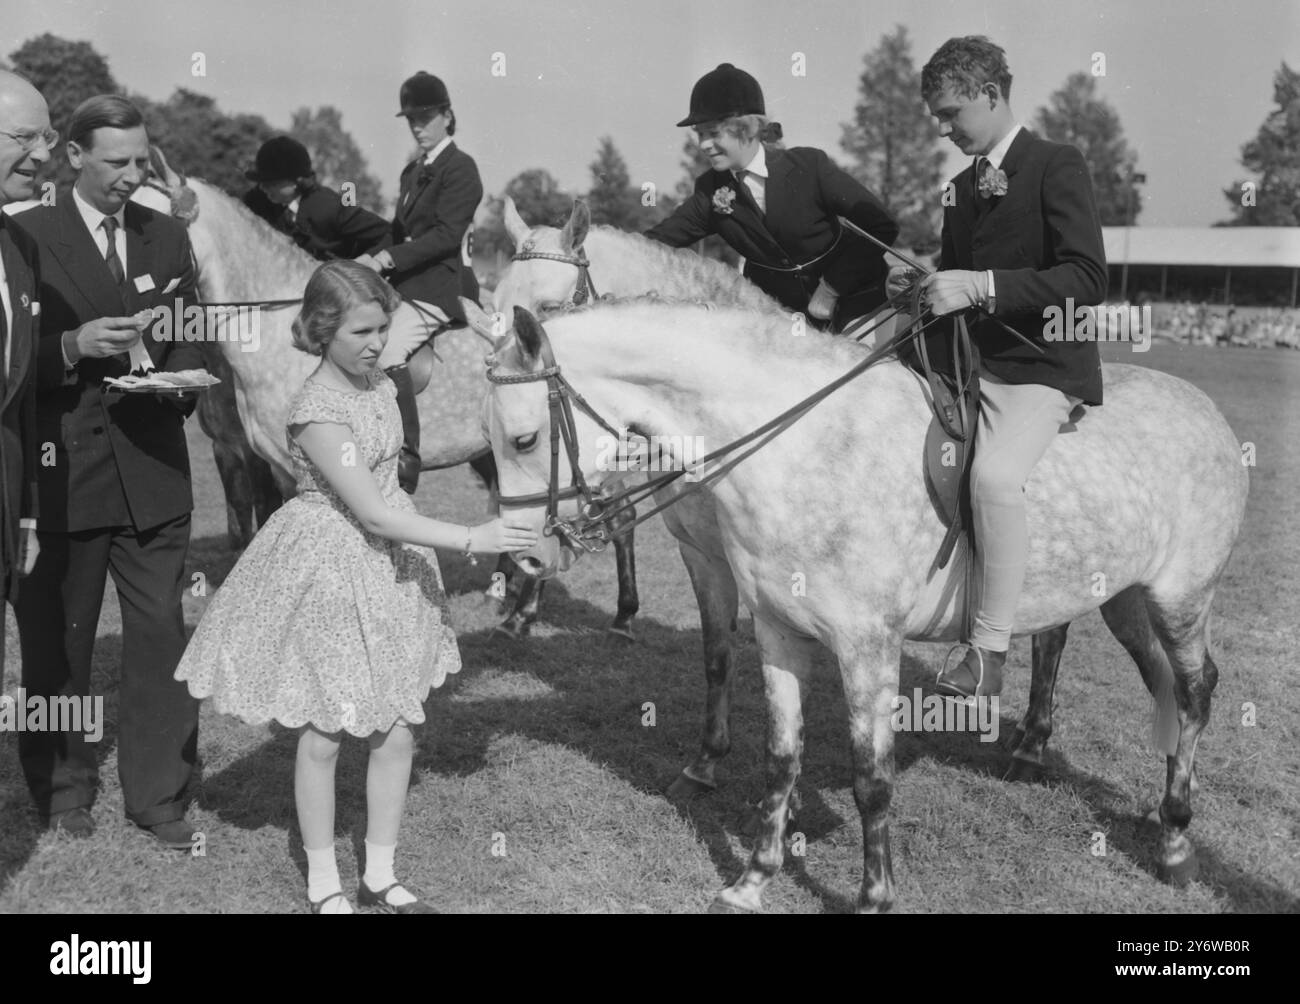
(25, 142)
(426, 255)
(1021, 236)
(117, 497)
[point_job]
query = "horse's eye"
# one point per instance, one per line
(525, 443)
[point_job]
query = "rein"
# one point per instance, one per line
(590, 530)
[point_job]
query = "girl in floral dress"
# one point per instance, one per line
(334, 619)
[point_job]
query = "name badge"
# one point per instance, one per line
(143, 283)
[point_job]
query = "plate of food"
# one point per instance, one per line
(163, 383)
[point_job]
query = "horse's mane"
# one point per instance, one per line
(269, 263)
(692, 277)
(769, 334)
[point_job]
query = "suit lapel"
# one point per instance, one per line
(77, 252)
(425, 174)
(745, 214)
(1010, 165)
(22, 293)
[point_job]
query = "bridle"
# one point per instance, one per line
(585, 289)
(590, 530)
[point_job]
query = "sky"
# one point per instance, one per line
(537, 83)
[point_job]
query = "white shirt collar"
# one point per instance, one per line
(758, 165)
(996, 155)
(293, 206)
(432, 155)
(93, 217)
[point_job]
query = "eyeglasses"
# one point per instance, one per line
(28, 140)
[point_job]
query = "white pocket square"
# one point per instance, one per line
(172, 285)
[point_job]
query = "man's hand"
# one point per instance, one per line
(102, 337)
(369, 262)
(29, 548)
(954, 290)
(900, 281)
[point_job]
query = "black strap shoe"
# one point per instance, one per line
(979, 674)
(367, 897)
(408, 462)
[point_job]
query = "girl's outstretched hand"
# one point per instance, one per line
(500, 535)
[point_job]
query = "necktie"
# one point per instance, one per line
(111, 259)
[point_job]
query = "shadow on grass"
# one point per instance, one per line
(595, 694)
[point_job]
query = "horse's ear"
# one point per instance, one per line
(531, 334)
(161, 168)
(515, 225)
(575, 231)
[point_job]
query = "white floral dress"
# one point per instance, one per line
(321, 622)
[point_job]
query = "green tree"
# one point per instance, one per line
(66, 73)
(893, 141)
(1076, 115)
(1273, 157)
(335, 155)
(200, 139)
(612, 200)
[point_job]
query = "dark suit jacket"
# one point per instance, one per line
(18, 444)
(120, 459)
(1043, 242)
(429, 240)
(324, 227)
(805, 193)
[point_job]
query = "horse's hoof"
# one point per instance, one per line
(1024, 771)
(685, 787)
(722, 905)
(1182, 874)
(619, 635)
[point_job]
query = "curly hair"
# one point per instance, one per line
(966, 64)
(333, 290)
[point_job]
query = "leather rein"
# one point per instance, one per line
(590, 530)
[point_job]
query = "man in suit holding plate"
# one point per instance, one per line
(114, 481)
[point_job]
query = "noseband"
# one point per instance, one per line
(593, 534)
(585, 289)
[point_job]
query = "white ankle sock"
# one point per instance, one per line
(379, 873)
(322, 873)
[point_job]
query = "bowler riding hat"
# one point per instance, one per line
(723, 93)
(420, 92)
(280, 159)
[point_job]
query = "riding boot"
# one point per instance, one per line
(408, 461)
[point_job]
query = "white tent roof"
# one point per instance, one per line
(1277, 247)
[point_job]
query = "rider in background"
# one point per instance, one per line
(287, 196)
(780, 208)
(426, 255)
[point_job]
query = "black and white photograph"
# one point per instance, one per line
(652, 458)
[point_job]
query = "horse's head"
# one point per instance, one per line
(547, 269)
(527, 406)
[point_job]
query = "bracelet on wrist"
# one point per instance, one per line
(469, 543)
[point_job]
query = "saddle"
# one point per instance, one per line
(954, 400)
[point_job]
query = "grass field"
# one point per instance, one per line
(538, 749)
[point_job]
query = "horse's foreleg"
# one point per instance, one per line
(625, 558)
(266, 494)
(787, 661)
(1030, 740)
(715, 594)
(527, 603)
(238, 486)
